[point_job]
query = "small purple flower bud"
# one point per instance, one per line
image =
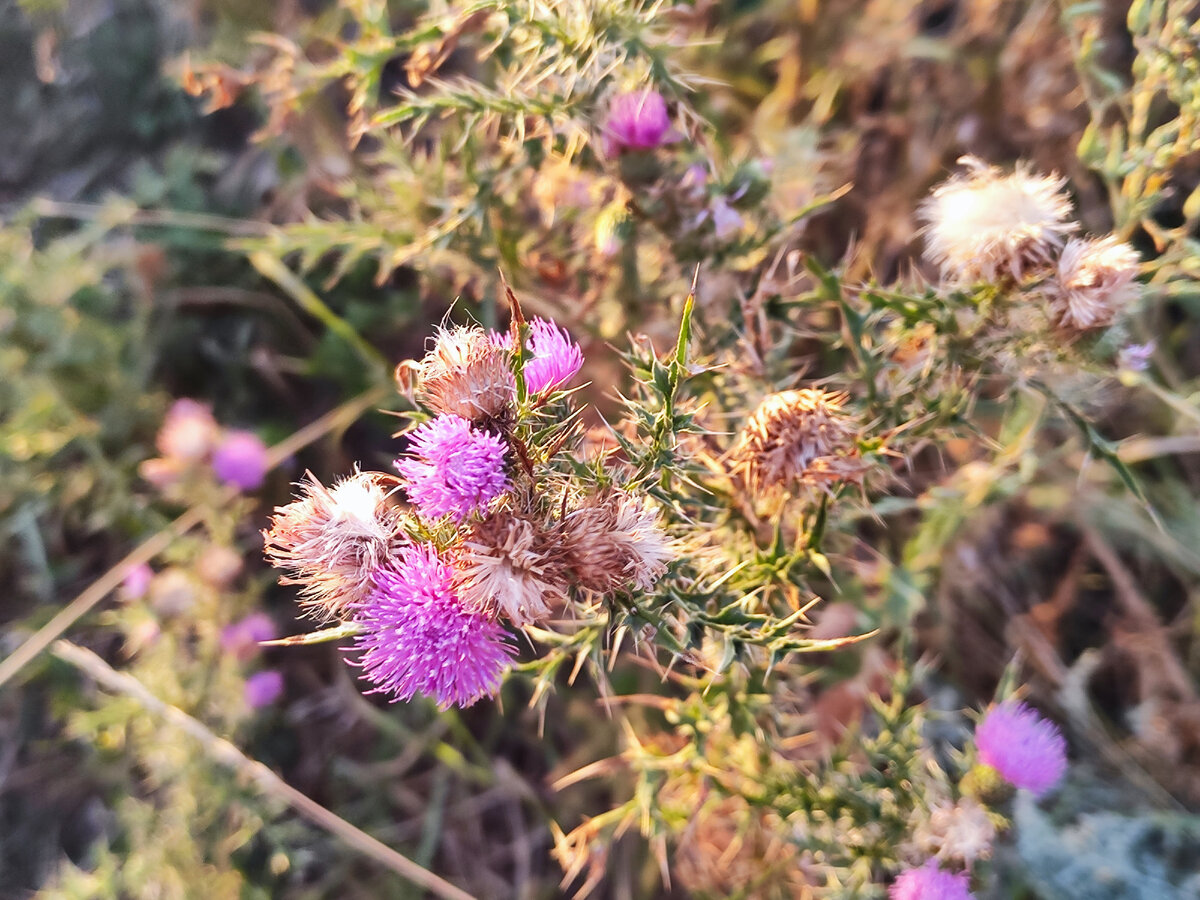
(930, 883)
(1028, 751)
(455, 469)
(1135, 357)
(637, 121)
(137, 581)
(241, 460)
(263, 688)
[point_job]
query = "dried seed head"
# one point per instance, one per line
(984, 225)
(509, 565)
(787, 435)
(614, 541)
(960, 832)
(1094, 283)
(466, 374)
(333, 541)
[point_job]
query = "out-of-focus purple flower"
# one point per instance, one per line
(188, 431)
(556, 359)
(263, 688)
(417, 637)
(726, 220)
(1028, 751)
(1135, 357)
(455, 469)
(241, 460)
(241, 639)
(637, 121)
(930, 883)
(137, 581)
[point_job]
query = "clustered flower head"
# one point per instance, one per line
(1028, 751)
(797, 437)
(985, 225)
(930, 882)
(490, 538)
(456, 470)
(190, 438)
(638, 121)
(331, 542)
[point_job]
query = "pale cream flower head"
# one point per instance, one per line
(331, 542)
(1094, 283)
(961, 832)
(466, 374)
(985, 226)
(802, 436)
(509, 565)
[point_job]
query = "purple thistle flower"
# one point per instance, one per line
(556, 359)
(241, 460)
(137, 581)
(1028, 751)
(418, 638)
(455, 469)
(241, 639)
(262, 688)
(637, 121)
(930, 883)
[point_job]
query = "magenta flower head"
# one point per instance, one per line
(241, 460)
(1028, 751)
(455, 469)
(417, 637)
(555, 358)
(262, 688)
(930, 883)
(638, 121)
(137, 581)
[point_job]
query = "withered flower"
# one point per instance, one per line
(614, 541)
(466, 374)
(510, 565)
(1094, 283)
(332, 542)
(797, 436)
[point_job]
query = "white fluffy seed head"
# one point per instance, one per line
(1094, 283)
(986, 226)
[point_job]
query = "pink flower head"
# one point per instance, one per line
(1135, 357)
(241, 639)
(556, 359)
(262, 688)
(1028, 751)
(188, 431)
(417, 637)
(241, 460)
(137, 581)
(930, 883)
(638, 121)
(455, 469)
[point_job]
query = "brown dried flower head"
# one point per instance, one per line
(466, 374)
(1094, 283)
(510, 565)
(983, 225)
(796, 437)
(614, 541)
(331, 541)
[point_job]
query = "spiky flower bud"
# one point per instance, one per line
(795, 437)
(983, 225)
(1093, 284)
(466, 374)
(331, 542)
(511, 566)
(638, 121)
(614, 542)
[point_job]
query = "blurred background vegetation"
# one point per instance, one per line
(266, 206)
